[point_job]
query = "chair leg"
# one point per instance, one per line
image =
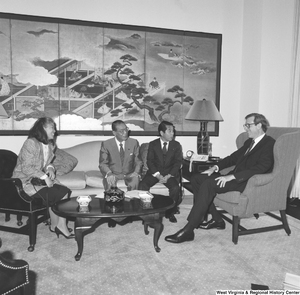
(235, 229)
(7, 217)
(284, 222)
(19, 220)
(32, 231)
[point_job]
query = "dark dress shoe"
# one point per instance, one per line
(172, 218)
(177, 211)
(181, 236)
(213, 224)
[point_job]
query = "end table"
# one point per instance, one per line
(197, 167)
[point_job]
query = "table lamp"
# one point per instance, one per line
(203, 111)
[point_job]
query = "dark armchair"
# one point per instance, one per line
(13, 200)
(264, 193)
(14, 275)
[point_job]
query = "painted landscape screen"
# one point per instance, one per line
(87, 75)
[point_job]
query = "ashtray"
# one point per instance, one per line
(83, 201)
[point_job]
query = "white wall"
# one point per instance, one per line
(256, 51)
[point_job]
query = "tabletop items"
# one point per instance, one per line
(114, 194)
(83, 202)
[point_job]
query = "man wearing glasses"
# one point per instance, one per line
(254, 157)
(119, 158)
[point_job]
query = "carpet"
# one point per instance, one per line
(122, 260)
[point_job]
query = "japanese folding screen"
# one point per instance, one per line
(87, 74)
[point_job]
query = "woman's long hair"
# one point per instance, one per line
(38, 132)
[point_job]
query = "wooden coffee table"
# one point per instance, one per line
(151, 214)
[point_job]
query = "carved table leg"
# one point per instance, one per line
(154, 221)
(146, 229)
(158, 228)
(81, 226)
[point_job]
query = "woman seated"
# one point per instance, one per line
(34, 163)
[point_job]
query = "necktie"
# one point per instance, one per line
(250, 147)
(165, 149)
(122, 153)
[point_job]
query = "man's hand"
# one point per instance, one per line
(134, 174)
(221, 181)
(210, 171)
(111, 180)
(160, 178)
(166, 177)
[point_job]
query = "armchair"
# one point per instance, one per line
(14, 275)
(13, 200)
(264, 193)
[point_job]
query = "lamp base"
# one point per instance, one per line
(203, 145)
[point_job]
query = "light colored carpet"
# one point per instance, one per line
(122, 260)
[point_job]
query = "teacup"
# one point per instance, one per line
(83, 201)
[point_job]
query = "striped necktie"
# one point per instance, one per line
(122, 153)
(165, 149)
(250, 147)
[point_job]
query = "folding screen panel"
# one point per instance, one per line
(85, 75)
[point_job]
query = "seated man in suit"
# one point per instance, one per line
(164, 160)
(119, 158)
(254, 157)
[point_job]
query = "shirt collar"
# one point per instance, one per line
(162, 143)
(118, 143)
(259, 138)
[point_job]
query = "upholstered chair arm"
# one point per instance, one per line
(260, 179)
(261, 190)
(15, 185)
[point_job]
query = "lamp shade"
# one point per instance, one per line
(3, 114)
(204, 110)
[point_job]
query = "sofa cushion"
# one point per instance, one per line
(73, 180)
(94, 178)
(64, 162)
(87, 155)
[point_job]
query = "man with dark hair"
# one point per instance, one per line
(254, 157)
(119, 158)
(164, 160)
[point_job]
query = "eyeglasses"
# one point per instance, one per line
(248, 125)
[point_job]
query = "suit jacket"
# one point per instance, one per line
(259, 160)
(110, 159)
(30, 163)
(156, 162)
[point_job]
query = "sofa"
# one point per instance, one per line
(77, 168)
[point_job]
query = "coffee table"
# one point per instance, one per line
(151, 214)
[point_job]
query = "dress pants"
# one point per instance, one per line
(172, 184)
(205, 189)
